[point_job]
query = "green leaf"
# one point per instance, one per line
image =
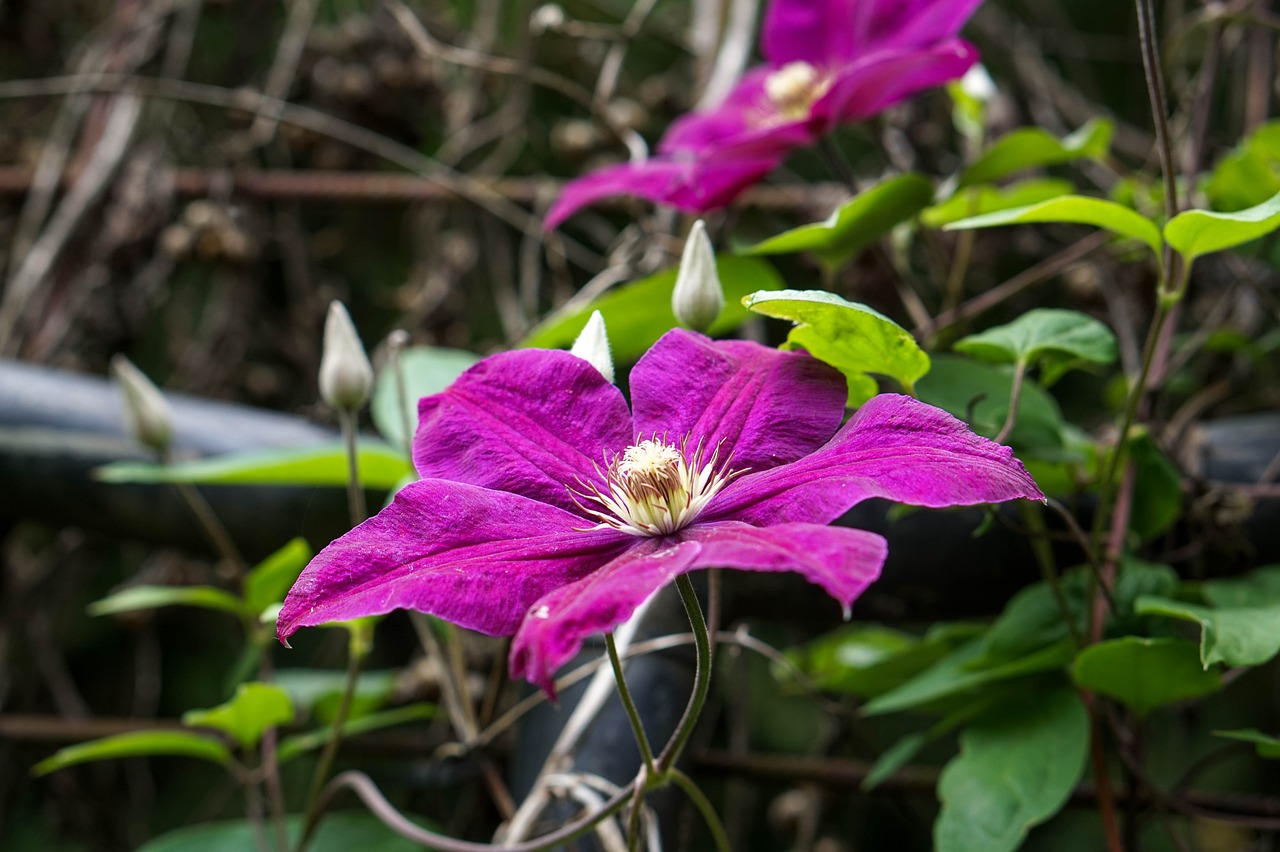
(1260, 587)
(1199, 232)
(1157, 492)
(1249, 174)
(892, 759)
(1031, 147)
(1055, 338)
(269, 580)
(637, 314)
(979, 395)
(957, 674)
(291, 747)
(870, 660)
(381, 467)
(977, 200)
(135, 598)
(341, 831)
(137, 744)
(1265, 746)
(1033, 620)
(1016, 768)
(427, 370)
(317, 692)
(851, 337)
(1237, 636)
(1073, 209)
(856, 223)
(255, 708)
(1144, 674)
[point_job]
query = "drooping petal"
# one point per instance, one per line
(472, 556)
(532, 422)
(842, 561)
(893, 447)
(835, 32)
(737, 396)
(880, 80)
(688, 183)
(557, 623)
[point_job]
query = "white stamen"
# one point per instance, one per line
(794, 88)
(654, 488)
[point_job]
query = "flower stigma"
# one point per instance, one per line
(654, 487)
(794, 88)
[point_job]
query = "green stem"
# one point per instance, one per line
(633, 715)
(355, 657)
(355, 494)
(701, 678)
(1033, 517)
(703, 804)
(1015, 400)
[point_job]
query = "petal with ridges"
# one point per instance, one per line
(738, 396)
(894, 447)
(880, 80)
(842, 561)
(473, 556)
(535, 422)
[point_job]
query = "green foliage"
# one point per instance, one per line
(637, 314)
(1054, 339)
(1157, 492)
(137, 598)
(1016, 768)
(869, 660)
(1250, 174)
(855, 224)
(137, 744)
(1264, 746)
(340, 832)
(269, 580)
(1237, 636)
(427, 370)
(317, 692)
(851, 337)
(1199, 232)
(1073, 209)
(978, 200)
(1144, 674)
(247, 716)
(1032, 147)
(380, 467)
(979, 394)
(299, 744)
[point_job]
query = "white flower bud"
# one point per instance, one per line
(698, 297)
(346, 376)
(977, 84)
(147, 414)
(592, 346)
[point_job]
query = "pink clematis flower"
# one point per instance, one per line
(829, 62)
(549, 511)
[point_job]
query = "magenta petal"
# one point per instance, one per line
(558, 623)
(745, 125)
(693, 184)
(736, 396)
(472, 556)
(880, 80)
(842, 561)
(835, 32)
(893, 447)
(533, 422)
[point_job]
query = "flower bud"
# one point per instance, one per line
(147, 415)
(346, 376)
(698, 297)
(592, 346)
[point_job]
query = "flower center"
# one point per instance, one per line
(794, 88)
(654, 488)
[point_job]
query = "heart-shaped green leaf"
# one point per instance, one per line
(1031, 147)
(853, 338)
(255, 708)
(1053, 338)
(1144, 674)
(1198, 232)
